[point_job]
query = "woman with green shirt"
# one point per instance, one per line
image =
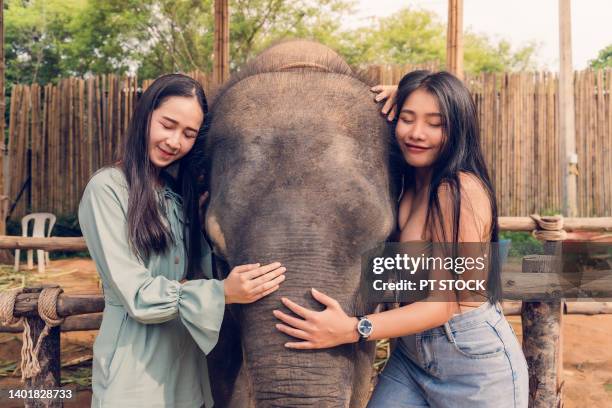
(142, 229)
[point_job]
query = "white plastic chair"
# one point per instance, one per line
(40, 222)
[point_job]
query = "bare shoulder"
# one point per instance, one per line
(473, 188)
(475, 212)
(470, 186)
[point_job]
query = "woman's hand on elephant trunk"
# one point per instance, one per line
(251, 282)
(328, 328)
(388, 93)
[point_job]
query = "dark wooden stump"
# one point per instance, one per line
(542, 322)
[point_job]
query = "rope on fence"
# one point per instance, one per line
(548, 228)
(47, 310)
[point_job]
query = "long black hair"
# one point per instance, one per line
(147, 233)
(460, 152)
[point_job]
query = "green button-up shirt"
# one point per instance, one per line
(155, 332)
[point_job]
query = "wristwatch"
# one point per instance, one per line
(364, 328)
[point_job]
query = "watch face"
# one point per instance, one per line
(364, 327)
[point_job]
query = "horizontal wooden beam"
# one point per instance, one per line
(505, 224)
(513, 308)
(26, 304)
(85, 322)
(549, 286)
(48, 244)
(569, 224)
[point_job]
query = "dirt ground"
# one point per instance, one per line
(587, 347)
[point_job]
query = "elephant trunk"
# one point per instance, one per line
(283, 377)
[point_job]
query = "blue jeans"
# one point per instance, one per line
(473, 361)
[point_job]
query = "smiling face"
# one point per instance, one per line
(420, 129)
(174, 128)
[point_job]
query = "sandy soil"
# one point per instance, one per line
(587, 346)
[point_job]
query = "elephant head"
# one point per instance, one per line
(298, 171)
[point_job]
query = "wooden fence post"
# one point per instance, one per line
(221, 42)
(542, 323)
(48, 359)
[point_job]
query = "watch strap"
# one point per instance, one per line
(362, 338)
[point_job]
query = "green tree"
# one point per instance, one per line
(36, 36)
(183, 34)
(47, 39)
(604, 58)
(407, 36)
(53, 38)
(255, 24)
(481, 54)
(417, 36)
(107, 37)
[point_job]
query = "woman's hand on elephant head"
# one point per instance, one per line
(388, 94)
(248, 283)
(328, 328)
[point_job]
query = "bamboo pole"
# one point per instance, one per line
(567, 145)
(36, 149)
(90, 126)
(3, 147)
(221, 41)
(454, 38)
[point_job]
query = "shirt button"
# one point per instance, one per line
(176, 260)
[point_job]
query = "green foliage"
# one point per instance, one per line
(604, 58)
(7, 368)
(48, 39)
(550, 211)
(482, 55)
(77, 375)
(522, 244)
(417, 36)
(36, 37)
(105, 37)
(407, 36)
(255, 24)
(178, 36)
(51, 39)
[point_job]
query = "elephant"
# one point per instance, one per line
(297, 160)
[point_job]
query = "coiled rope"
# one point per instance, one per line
(548, 228)
(47, 310)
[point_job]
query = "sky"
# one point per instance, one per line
(518, 21)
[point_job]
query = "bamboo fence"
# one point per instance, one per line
(60, 134)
